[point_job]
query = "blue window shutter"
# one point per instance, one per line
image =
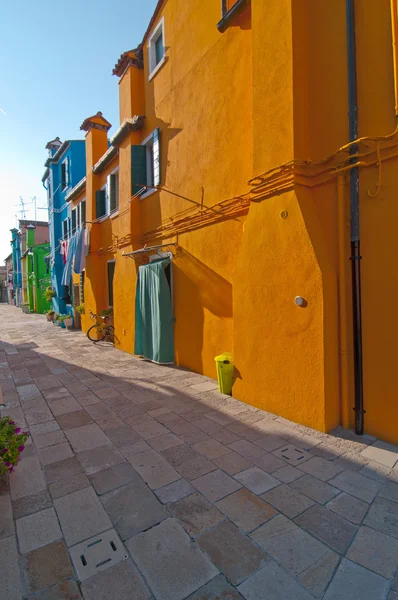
(138, 169)
(156, 157)
(100, 204)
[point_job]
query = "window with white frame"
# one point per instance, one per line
(152, 146)
(65, 229)
(65, 173)
(112, 193)
(156, 49)
(81, 214)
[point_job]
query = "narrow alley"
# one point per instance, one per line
(143, 482)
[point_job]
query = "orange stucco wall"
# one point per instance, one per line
(270, 90)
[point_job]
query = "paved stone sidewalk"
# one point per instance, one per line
(143, 482)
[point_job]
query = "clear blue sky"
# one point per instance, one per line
(56, 61)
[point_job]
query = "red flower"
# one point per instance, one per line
(21, 448)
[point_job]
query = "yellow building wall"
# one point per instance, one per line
(378, 219)
(269, 91)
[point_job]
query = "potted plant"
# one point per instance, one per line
(12, 443)
(49, 294)
(56, 319)
(80, 309)
(50, 315)
(66, 320)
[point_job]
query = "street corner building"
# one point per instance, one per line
(246, 204)
(27, 267)
(65, 166)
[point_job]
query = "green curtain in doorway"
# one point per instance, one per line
(154, 320)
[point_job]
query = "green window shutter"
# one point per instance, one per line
(73, 221)
(138, 169)
(113, 192)
(156, 157)
(83, 212)
(100, 204)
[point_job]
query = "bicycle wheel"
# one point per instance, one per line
(110, 334)
(96, 334)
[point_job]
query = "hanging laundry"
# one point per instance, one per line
(86, 241)
(67, 274)
(80, 253)
(63, 250)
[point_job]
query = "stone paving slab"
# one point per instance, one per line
(231, 477)
(160, 553)
(47, 566)
(272, 583)
(350, 508)
(81, 515)
(353, 581)
(30, 504)
(232, 552)
(123, 579)
(196, 514)
(217, 589)
(11, 587)
(38, 529)
(6, 518)
(327, 526)
(297, 552)
(133, 508)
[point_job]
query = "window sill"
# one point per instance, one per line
(102, 219)
(148, 193)
(157, 68)
(114, 214)
(230, 15)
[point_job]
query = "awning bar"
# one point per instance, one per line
(147, 249)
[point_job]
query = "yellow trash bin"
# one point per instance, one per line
(225, 372)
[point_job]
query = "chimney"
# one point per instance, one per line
(96, 128)
(53, 146)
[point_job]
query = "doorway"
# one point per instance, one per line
(154, 318)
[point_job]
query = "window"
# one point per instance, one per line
(66, 291)
(65, 173)
(65, 229)
(74, 220)
(156, 49)
(100, 203)
(113, 192)
(145, 165)
(230, 9)
(111, 273)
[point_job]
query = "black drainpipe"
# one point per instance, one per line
(354, 204)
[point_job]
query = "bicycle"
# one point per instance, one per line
(100, 331)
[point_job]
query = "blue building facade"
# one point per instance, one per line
(65, 167)
(16, 289)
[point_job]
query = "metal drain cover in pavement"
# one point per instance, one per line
(292, 455)
(97, 554)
